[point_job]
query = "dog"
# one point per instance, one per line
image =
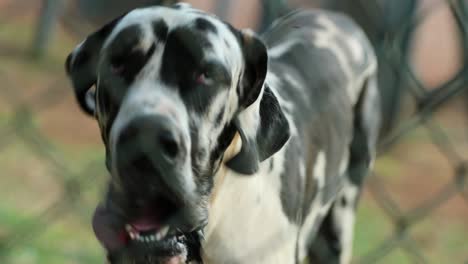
(224, 146)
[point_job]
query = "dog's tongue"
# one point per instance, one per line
(143, 224)
(110, 233)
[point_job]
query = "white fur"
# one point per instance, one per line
(247, 223)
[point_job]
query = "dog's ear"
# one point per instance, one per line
(263, 129)
(81, 66)
(261, 123)
(255, 68)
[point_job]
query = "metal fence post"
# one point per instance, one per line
(45, 27)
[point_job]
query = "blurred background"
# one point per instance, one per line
(415, 205)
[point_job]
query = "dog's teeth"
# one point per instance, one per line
(147, 239)
(164, 231)
(132, 235)
(158, 236)
(128, 228)
(153, 238)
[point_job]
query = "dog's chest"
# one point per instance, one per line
(247, 223)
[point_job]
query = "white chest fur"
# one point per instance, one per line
(247, 223)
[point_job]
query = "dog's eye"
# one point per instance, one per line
(203, 78)
(213, 72)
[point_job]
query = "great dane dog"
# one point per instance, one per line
(228, 147)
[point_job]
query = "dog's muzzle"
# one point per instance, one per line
(149, 153)
(149, 209)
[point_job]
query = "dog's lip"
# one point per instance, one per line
(140, 235)
(109, 229)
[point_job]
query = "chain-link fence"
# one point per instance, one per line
(414, 208)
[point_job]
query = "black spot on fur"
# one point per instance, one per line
(160, 30)
(182, 61)
(343, 201)
(360, 150)
(224, 140)
(227, 44)
(219, 117)
(205, 25)
(125, 57)
(182, 56)
(326, 247)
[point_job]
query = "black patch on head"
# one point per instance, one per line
(183, 61)
(124, 54)
(182, 57)
(205, 25)
(160, 30)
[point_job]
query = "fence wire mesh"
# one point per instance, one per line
(415, 205)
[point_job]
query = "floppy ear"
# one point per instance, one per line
(261, 123)
(81, 66)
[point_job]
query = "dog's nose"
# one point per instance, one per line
(155, 138)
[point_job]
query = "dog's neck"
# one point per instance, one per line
(235, 223)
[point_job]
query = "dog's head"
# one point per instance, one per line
(173, 85)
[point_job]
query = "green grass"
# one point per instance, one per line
(64, 240)
(29, 182)
(63, 235)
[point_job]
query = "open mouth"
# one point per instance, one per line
(149, 232)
